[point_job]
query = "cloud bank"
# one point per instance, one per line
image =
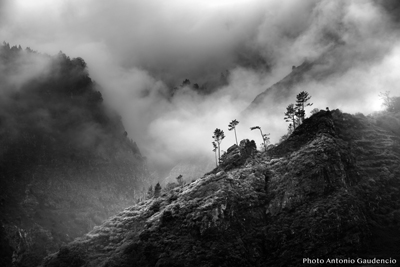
(139, 50)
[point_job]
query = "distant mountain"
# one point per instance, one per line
(66, 163)
(282, 90)
(330, 191)
(329, 64)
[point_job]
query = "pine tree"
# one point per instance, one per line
(290, 115)
(267, 140)
(179, 179)
(232, 126)
(290, 129)
(301, 102)
(157, 190)
(263, 136)
(150, 192)
(218, 137)
(215, 152)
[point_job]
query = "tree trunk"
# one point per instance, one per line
(235, 136)
(294, 123)
(219, 154)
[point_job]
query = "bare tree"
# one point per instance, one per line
(391, 103)
(386, 99)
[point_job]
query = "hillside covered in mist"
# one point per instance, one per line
(65, 159)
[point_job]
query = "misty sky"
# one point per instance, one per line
(139, 50)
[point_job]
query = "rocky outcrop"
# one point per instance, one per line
(236, 156)
(329, 191)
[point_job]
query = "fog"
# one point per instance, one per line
(138, 51)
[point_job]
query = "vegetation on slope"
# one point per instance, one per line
(329, 191)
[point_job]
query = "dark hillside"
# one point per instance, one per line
(66, 163)
(331, 190)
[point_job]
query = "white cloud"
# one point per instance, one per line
(136, 50)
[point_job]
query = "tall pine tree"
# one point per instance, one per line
(232, 126)
(290, 115)
(301, 102)
(157, 190)
(218, 137)
(215, 147)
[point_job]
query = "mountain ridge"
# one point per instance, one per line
(314, 195)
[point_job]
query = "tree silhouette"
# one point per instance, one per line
(290, 115)
(215, 152)
(290, 129)
(179, 179)
(157, 190)
(386, 99)
(301, 102)
(186, 82)
(263, 136)
(267, 140)
(150, 192)
(218, 137)
(232, 126)
(391, 103)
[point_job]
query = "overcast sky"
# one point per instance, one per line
(138, 50)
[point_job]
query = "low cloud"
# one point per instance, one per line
(137, 51)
